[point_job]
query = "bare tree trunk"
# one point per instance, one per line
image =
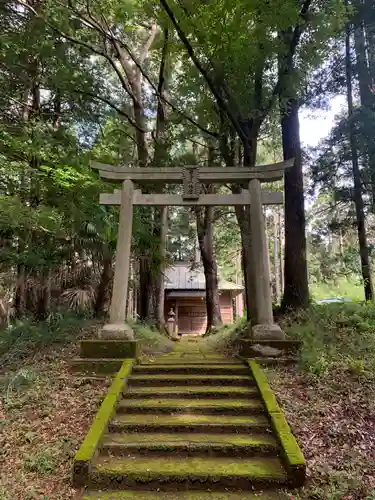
(160, 288)
(161, 156)
(205, 238)
(102, 290)
(365, 91)
(276, 256)
(358, 201)
(296, 290)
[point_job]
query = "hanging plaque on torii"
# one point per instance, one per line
(191, 187)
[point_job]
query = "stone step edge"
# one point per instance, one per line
(86, 453)
(194, 472)
(130, 406)
(165, 424)
(179, 495)
(290, 452)
(188, 391)
(222, 444)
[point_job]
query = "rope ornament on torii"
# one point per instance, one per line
(192, 178)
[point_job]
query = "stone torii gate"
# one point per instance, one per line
(192, 178)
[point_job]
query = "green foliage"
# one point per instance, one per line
(151, 341)
(335, 337)
(27, 335)
(350, 288)
(224, 337)
(42, 463)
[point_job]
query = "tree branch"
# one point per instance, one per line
(288, 60)
(221, 102)
(113, 106)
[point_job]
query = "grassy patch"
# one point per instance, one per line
(342, 287)
(335, 337)
(27, 336)
(45, 413)
(151, 341)
(333, 418)
(42, 463)
(222, 339)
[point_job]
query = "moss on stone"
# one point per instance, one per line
(193, 369)
(290, 451)
(191, 418)
(109, 348)
(186, 444)
(87, 450)
(180, 495)
(181, 469)
(188, 379)
(145, 391)
(243, 404)
(93, 366)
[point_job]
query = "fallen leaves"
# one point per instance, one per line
(42, 423)
(334, 420)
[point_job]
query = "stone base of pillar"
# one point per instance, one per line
(267, 332)
(116, 331)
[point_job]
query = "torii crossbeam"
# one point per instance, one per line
(192, 178)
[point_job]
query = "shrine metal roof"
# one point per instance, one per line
(187, 276)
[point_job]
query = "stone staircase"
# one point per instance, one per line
(189, 426)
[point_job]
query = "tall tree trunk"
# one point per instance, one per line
(365, 92)
(359, 207)
(159, 281)
(205, 239)
(282, 251)
(144, 287)
(296, 290)
(276, 256)
(102, 290)
(161, 156)
(242, 214)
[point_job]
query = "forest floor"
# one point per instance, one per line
(45, 413)
(333, 418)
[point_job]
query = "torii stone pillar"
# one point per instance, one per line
(117, 327)
(265, 327)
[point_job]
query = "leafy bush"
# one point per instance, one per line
(223, 338)
(335, 336)
(150, 339)
(27, 335)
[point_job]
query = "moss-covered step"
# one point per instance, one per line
(172, 379)
(205, 391)
(187, 422)
(243, 406)
(290, 452)
(182, 495)
(203, 368)
(173, 472)
(94, 366)
(197, 360)
(97, 348)
(201, 444)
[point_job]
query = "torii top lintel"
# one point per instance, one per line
(207, 175)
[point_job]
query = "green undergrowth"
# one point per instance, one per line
(151, 341)
(335, 337)
(26, 336)
(223, 338)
